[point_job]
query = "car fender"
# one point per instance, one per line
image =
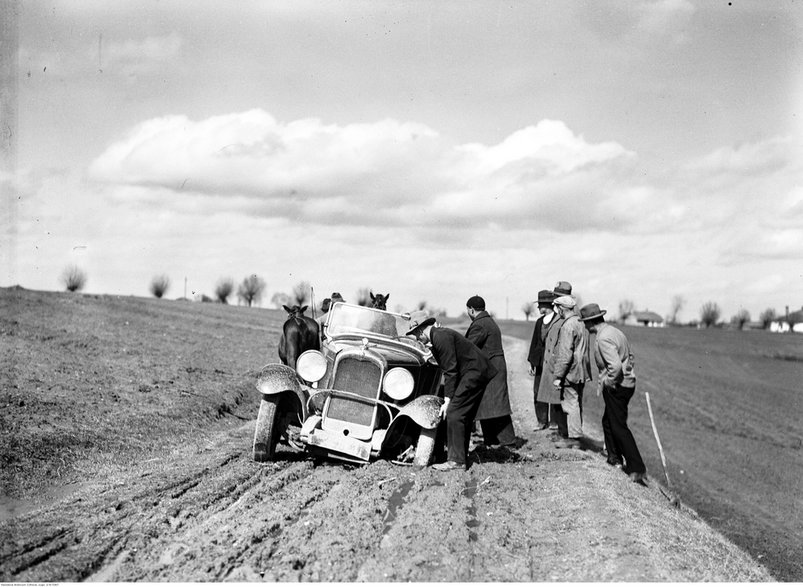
(423, 410)
(276, 379)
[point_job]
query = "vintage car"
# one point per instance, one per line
(370, 392)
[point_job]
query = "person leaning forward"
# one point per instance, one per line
(466, 372)
(494, 411)
(617, 380)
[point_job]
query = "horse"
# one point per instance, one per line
(299, 334)
(379, 301)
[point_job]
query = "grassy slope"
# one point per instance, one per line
(727, 406)
(90, 381)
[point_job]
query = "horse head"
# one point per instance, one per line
(379, 301)
(295, 312)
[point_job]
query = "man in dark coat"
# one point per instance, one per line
(494, 411)
(466, 372)
(544, 412)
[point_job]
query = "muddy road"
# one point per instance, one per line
(206, 512)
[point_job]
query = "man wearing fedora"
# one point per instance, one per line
(544, 411)
(617, 380)
(466, 372)
(571, 369)
(494, 411)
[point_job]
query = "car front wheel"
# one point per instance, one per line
(425, 448)
(266, 434)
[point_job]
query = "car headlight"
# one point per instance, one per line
(399, 383)
(311, 366)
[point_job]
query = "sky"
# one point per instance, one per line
(641, 150)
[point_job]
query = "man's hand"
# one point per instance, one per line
(442, 411)
(531, 370)
(556, 383)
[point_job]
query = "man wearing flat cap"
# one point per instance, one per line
(494, 411)
(570, 368)
(466, 372)
(617, 380)
(544, 411)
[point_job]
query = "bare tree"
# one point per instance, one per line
(741, 318)
(73, 278)
(224, 289)
(364, 296)
(280, 299)
(159, 285)
(251, 289)
(766, 318)
(528, 308)
(678, 301)
(301, 292)
(626, 308)
(709, 314)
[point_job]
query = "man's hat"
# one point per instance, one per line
(419, 320)
(545, 297)
(475, 302)
(563, 288)
(565, 301)
(591, 311)
(336, 296)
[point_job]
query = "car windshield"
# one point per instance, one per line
(349, 319)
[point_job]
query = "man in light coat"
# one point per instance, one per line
(571, 369)
(544, 412)
(617, 380)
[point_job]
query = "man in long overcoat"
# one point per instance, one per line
(494, 411)
(466, 372)
(544, 412)
(547, 393)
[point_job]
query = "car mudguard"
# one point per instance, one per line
(423, 411)
(278, 379)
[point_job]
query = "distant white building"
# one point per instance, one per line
(645, 318)
(792, 320)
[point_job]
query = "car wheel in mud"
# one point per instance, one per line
(425, 448)
(266, 434)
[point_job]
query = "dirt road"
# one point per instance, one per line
(207, 512)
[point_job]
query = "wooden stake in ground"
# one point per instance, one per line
(673, 499)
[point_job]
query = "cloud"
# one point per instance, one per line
(375, 173)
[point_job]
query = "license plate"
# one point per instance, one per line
(340, 443)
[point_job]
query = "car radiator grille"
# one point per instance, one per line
(358, 377)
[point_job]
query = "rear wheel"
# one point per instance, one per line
(425, 448)
(267, 433)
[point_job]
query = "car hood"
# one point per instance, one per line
(394, 352)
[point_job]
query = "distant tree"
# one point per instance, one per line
(280, 299)
(766, 318)
(206, 298)
(73, 278)
(422, 305)
(364, 296)
(709, 314)
(251, 289)
(224, 289)
(301, 293)
(626, 308)
(159, 285)
(528, 308)
(741, 318)
(675, 307)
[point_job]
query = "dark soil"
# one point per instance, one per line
(126, 451)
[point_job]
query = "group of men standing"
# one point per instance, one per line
(475, 378)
